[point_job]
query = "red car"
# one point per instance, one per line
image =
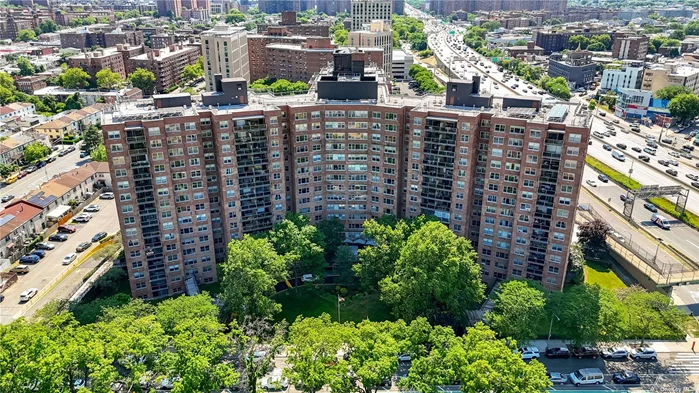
(21, 174)
(66, 229)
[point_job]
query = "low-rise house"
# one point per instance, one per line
(19, 221)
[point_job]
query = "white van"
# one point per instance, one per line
(660, 221)
(587, 376)
(649, 150)
(618, 155)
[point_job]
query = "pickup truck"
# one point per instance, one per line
(586, 352)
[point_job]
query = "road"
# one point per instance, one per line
(43, 273)
(33, 180)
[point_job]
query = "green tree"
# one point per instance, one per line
(26, 68)
(592, 105)
(520, 43)
(519, 307)
(479, 362)
(578, 41)
(436, 277)
(652, 314)
(300, 243)
(341, 37)
(604, 39)
(234, 16)
(333, 232)
(36, 151)
(672, 91)
(107, 79)
(692, 28)
(389, 236)
(677, 35)
(48, 26)
(99, 154)
(312, 351)
(92, 137)
(8, 169)
(74, 78)
(596, 47)
(74, 102)
(192, 72)
(372, 353)
(144, 80)
(342, 266)
(256, 343)
(558, 87)
(252, 270)
(491, 25)
(684, 107)
(26, 35)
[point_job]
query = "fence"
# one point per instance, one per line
(660, 272)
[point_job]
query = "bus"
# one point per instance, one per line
(11, 179)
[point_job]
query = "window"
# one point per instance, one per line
(574, 138)
(573, 151)
(534, 146)
(570, 164)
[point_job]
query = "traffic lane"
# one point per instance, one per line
(615, 220)
(642, 172)
(42, 273)
(632, 139)
(33, 180)
(689, 296)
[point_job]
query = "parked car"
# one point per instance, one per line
(602, 114)
(84, 217)
(651, 207)
(31, 169)
(67, 229)
(557, 378)
(99, 236)
(626, 377)
(404, 358)
(31, 258)
(39, 253)
(591, 183)
(63, 153)
(615, 121)
(7, 198)
(664, 162)
(50, 159)
(557, 352)
(84, 154)
(28, 295)
(621, 146)
(529, 353)
(45, 246)
(671, 172)
(635, 129)
(603, 178)
(107, 195)
(92, 208)
(58, 237)
(309, 278)
(615, 353)
(585, 352)
(83, 246)
(644, 353)
(20, 269)
(69, 258)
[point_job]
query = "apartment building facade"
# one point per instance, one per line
(93, 62)
(188, 181)
(376, 34)
(225, 51)
(630, 48)
(671, 74)
(628, 76)
(365, 12)
(166, 64)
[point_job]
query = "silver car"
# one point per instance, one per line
(557, 378)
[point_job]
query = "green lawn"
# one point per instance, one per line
(597, 273)
(311, 302)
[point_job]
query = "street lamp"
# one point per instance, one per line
(656, 249)
(551, 327)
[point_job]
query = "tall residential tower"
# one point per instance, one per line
(225, 51)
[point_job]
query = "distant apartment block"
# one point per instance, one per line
(86, 38)
(630, 48)
(28, 84)
(93, 62)
(376, 34)
(658, 76)
(169, 8)
(189, 179)
(365, 12)
(447, 7)
(295, 28)
(225, 51)
(166, 64)
(577, 68)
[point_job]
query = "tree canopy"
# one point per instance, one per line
(99, 154)
(519, 307)
(107, 79)
(74, 78)
(672, 91)
(144, 80)
(26, 68)
(26, 35)
(684, 107)
(234, 16)
(36, 151)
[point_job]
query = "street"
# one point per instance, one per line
(43, 274)
(33, 180)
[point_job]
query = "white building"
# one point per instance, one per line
(626, 77)
(401, 64)
(367, 11)
(376, 34)
(632, 103)
(16, 109)
(225, 50)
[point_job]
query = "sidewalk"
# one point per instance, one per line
(659, 346)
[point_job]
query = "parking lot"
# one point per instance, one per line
(44, 273)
